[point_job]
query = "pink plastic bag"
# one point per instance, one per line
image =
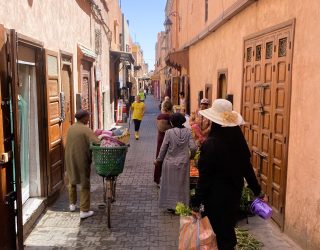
(196, 234)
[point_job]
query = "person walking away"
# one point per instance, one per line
(175, 154)
(163, 125)
(166, 98)
(223, 164)
(141, 95)
(200, 125)
(182, 102)
(137, 108)
(78, 162)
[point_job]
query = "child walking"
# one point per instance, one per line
(137, 108)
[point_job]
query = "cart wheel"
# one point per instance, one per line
(109, 212)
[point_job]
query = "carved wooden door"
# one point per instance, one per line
(86, 91)
(265, 108)
(55, 165)
(66, 89)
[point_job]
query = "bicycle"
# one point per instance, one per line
(109, 163)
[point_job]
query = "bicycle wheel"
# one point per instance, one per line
(114, 189)
(109, 212)
(110, 191)
(104, 190)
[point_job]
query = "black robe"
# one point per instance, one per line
(224, 162)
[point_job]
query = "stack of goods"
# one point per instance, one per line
(194, 174)
(109, 138)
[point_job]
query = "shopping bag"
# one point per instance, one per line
(196, 234)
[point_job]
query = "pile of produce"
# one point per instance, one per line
(194, 172)
(182, 209)
(246, 241)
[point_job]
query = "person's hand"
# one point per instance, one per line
(263, 197)
(196, 215)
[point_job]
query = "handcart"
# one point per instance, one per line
(109, 163)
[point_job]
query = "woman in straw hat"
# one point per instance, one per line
(224, 162)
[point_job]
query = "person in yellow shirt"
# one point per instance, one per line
(137, 109)
(142, 95)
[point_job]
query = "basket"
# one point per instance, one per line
(125, 137)
(109, 161)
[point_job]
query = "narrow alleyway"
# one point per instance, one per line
(137, 222)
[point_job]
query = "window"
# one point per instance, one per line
(206, 11)
(222, 86)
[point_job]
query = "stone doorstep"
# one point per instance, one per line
(31, 212)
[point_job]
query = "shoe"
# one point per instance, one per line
(136, 135)
(171, 211)
(87, 214)
(72, 207)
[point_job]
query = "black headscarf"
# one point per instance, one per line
(177, 119)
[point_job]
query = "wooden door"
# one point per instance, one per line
(265, 106)
(10, 178)
(86, 88)
(67, 90)
(55, 166)
(7, 216)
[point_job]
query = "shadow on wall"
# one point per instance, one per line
(84, 5)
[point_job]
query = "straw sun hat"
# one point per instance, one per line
(221, 113)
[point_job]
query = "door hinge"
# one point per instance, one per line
(285, 140)
(252, 70)
(289, 45)
(289, 67)
(275, 48)
(10, 198)
(270, 135)
(274, 68)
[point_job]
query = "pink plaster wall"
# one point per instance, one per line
(224, 49)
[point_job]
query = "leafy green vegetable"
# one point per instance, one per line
(246, 198)
(246, 241)
(182, 209)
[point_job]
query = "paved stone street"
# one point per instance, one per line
(137, 222)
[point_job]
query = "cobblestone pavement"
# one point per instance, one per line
(137, 222)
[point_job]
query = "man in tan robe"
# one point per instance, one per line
(78, 161)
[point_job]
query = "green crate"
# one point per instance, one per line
(109, 161)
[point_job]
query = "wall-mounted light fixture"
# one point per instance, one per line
(168, 23)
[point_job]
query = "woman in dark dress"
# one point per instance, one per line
(223, 164)
(162, 125)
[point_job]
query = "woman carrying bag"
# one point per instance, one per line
(223, 164)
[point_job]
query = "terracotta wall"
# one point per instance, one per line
(60, 25)
(223, 49)
(115, 16)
